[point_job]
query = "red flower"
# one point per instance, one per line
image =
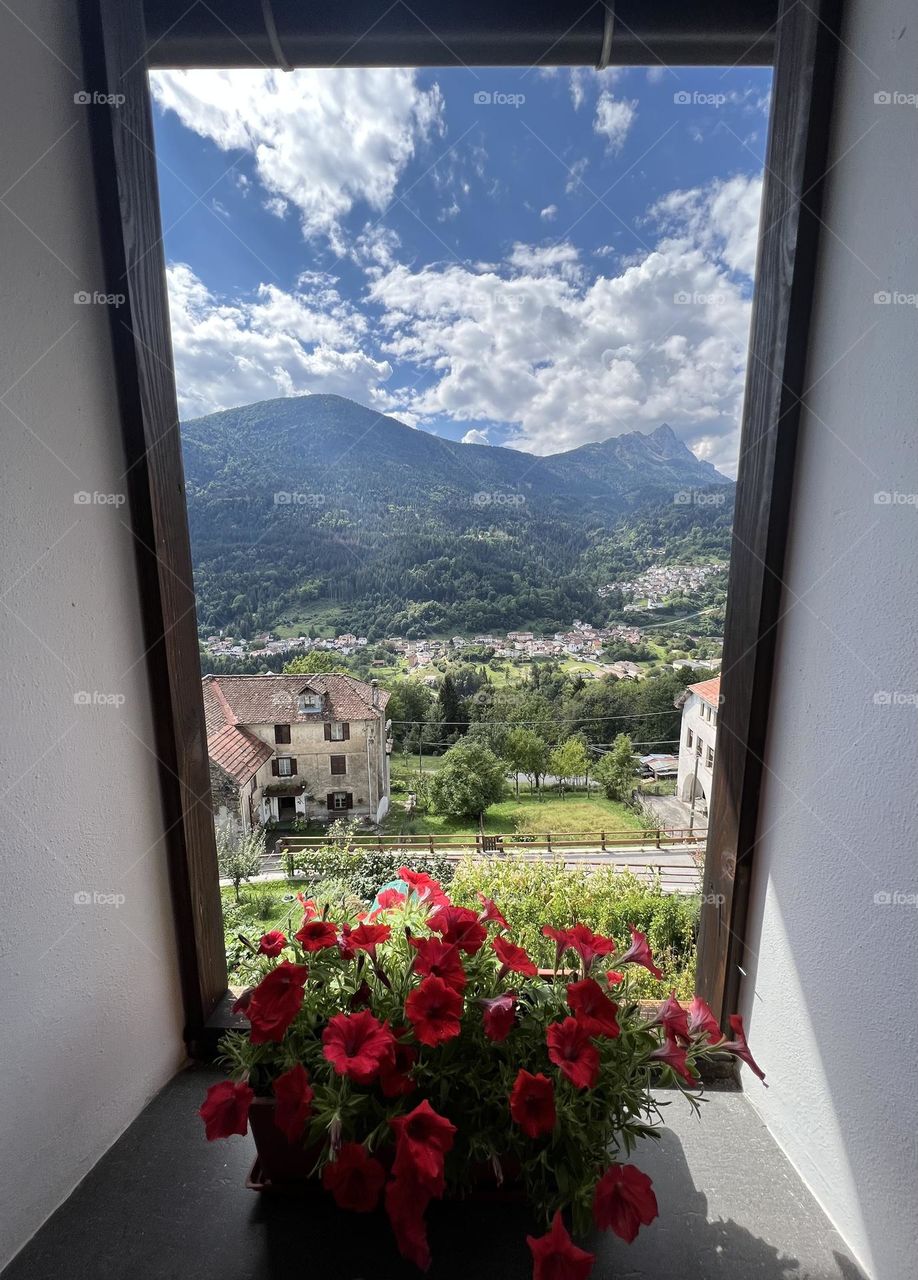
(513, 959)
(406, 1204)
(434, 1009)
(740, 1049)
(639, 953)
(355, 1179)
(357, 1045)
(613, 977)
(225, 1110)
(562, 940)
(272, 943)
(701, 1021)
(532, 1104)
(673, 1055)
(310, 910)
(460, 926)
(276, 1001)
(316, 935)
(386, 900)
(346, 948)
(367, 937)
(490, 913)
(439, 960)
(294, 1102)
(499, 1016)
(241, 1005)
(556, 1257)
(395, 1074)
(673, 1017)
(595, 1011)
(427, 889)
(422, 1139)
(624, 1201)
(569, 1048)
(589, 945)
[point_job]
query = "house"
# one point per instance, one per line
(698, 736)
(283, 747)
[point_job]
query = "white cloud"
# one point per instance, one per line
(276, 344)
(614, 118)
(322, 140)
(564, 358)
(549, 213)
(475, 437)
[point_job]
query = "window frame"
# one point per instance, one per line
(282, 735)
(115, 61)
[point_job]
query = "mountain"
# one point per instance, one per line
(315, 508)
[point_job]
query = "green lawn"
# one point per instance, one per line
(529, 815)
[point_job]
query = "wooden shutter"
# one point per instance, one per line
(346, 735)
(292, 765)
(274, 768)
(327, 728)
(350, 801)
(330, 800)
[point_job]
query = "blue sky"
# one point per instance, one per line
(515, 257)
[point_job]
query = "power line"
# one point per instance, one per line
(640, 715)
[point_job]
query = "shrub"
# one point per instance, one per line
(362, 872)
(532, 894)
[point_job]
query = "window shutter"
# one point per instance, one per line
(350, 801)
(347, 732)
(327, 728)
(274, 768)
(330, 800)
(292, 765)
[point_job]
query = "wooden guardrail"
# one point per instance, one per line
(547, 841)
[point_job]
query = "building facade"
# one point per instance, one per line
(697, 743)
(288, 747)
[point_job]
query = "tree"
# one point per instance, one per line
(470, 779)
(527, 753)
(239, 856)
(616, 769)
(569, 760)
(317, 662)
(449, 705)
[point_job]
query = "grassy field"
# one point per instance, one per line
(529, 815)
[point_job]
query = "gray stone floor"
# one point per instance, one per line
(164, 1204)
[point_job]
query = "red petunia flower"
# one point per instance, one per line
(460, 926)
(354, 1179)
(357, 1045)
(395, 1078)
(316, 935)
(499, 1016)
(569, 1048)
(406, 1204)
(310, 910)
(294, 1102)
(613, 977)
(346, 948)
(225, 1109)
(740, 1049)
(639, 953)
(386, 900)
(588, 944)
(673, 1055)
(532, 1104)
(624, 1201)
(272, 943)
(595, 1011)
(556, 1257)
(241, 1004)
(422, 1139)
(701, 1021)
(673, 1018)
(490, 912)
(434, 1009)
(513, 959)
(276, 1001)
(439, 959)
(367, 937)
(427, 889)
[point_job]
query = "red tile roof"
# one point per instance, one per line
(708, 691)
(238, 752)
(273, 700)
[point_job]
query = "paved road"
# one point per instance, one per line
(674, 813)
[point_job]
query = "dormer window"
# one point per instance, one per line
(309, 703)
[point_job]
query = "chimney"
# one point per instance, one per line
(374, 685)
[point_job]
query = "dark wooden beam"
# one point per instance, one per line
(131, 235)
(807, 47)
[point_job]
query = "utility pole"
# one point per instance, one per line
(691, 824)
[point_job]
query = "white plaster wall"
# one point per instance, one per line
(703, 730)
(832, 973)
(89, 1001)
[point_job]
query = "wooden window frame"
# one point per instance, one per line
(282, 735)
(340, 759)
(115, 62)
